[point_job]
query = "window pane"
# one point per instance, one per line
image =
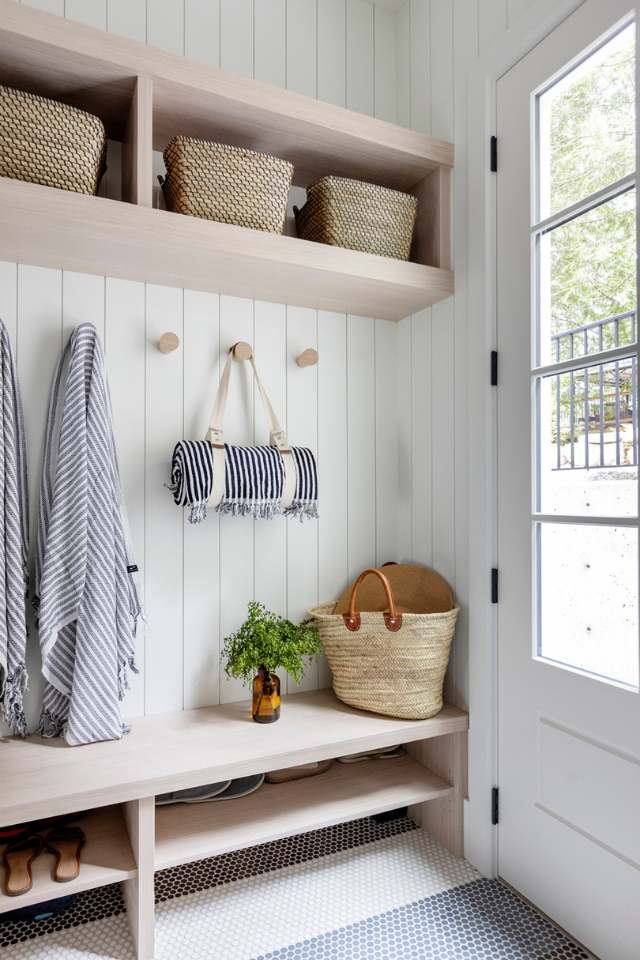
(587, 282)
(587, 136)
(588, 599)
(589, 441)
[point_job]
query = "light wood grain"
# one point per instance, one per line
(139, 816)
(137, 160)
(105, 858)
(178, 750)
(444, 818)
(97, 72)
(187, 832)
(432, 236)
(55, 228)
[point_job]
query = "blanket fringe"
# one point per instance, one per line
(50, 726)
(303, 510)
(128, 664)
(12, 705)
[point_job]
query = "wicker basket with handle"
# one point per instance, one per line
(359, 216)
(43, 141)
(216, 181)
(391, 663)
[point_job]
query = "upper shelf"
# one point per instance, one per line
(145, 97)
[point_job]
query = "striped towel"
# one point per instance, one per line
(86, 593)
(253, 481)
(13, 544)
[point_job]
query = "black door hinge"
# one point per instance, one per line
(495, 806)
(494, 368)
(494, 585)
(493, 155)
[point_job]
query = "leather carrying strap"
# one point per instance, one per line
(392, 619)
(277, 437)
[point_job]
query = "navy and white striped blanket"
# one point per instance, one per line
(86, 594)
(13, 543)
(253, 481)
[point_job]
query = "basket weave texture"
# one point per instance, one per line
(43, 141)
(216, 181)
(358, 216)
(398, 672)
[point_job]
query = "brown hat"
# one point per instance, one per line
(416, 589)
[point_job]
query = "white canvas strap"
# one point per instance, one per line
(277, 437)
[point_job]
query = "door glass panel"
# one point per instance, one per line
(588, 598)
(587, 275)
(589, 441)
(586, 126)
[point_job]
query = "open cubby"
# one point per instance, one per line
(145, 97)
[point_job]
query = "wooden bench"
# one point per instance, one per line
(128, 840)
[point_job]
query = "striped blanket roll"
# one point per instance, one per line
(253, 481)
(86, 590)
(13, 543)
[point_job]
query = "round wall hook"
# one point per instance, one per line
(308, 358)
(168, 342)
(241, 351)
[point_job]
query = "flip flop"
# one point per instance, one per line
(17, 859)
(65, 843)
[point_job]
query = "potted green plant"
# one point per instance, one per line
(265, 643)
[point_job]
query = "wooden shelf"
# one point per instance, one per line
(187, 832)
(145, 97)
(198, 746)
(105, 858)
(90, 234)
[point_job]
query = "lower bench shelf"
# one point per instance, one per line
(187, 832)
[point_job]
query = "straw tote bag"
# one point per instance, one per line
(391, 663)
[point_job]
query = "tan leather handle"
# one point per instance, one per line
(392, 619)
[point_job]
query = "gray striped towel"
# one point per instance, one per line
(13, 544)
(254, 480)
(86, 591)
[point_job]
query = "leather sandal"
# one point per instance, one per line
(65, 843)
(17, 859)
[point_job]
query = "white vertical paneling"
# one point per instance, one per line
(386, 423)
(163, 522)
(127, 18)
(492, 20)
(302, 46)
(404, 426)
(165, 25)
(517, 9)
(236, 36)
(442, 62)
(270, 349)
(420, 66)
(9, 299)
(201, 603)
(333, 569)
(422, 362)
(332, 55)
(360, 72)
(361, 442)
(82, 302)
(302, 427)
(403, 65)
(125, 340)
(442, 439)
(270, 33)
(236, 533)
(49, 6)
(202, 31)
(385, 76)
(38, 349)
(91, 12)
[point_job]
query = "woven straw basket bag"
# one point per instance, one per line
(387, 662)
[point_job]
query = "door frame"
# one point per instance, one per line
(476, 230)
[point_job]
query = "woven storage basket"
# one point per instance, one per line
(391, 663)
(228, 184)
(43, 141)
(359, 216)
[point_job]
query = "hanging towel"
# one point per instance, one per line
(14, 525)
(259, 482)
(87, 594)
(254, 480)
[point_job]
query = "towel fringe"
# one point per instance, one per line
(50, 726)
(12, 705)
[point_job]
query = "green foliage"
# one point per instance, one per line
(269, 641)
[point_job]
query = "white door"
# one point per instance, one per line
(568, 639)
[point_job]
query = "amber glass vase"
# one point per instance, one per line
(266, 697)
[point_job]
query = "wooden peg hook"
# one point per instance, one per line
(308, 358)
(241, 351)
(168, 342)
